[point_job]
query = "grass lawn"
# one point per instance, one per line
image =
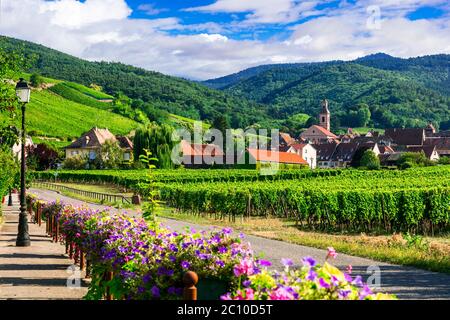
(104, 188)
(425, 253)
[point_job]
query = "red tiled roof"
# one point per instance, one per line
(275, 156)
(197, 149)
(299, 146)
(287, 138)
(325, 131)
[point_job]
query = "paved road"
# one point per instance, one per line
(37, 272)
(405, 282)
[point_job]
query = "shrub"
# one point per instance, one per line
(75, 163)
(370, 160)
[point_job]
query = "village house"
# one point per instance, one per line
(90, 144)
(262, 157)
(17, 147)
(306, 151)
(285, 141)
(197, 155)
(429, 151)
(321, 133)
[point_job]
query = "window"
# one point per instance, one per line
(92, 155)
(126, 156)
(74, 153)
(323, 119)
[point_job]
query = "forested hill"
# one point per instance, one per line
(398, 92)
(175, 95)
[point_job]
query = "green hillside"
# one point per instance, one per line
(50, 115)
(393, 97)
(174, 95)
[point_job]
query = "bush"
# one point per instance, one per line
(36, 80)
(370, 160)
(75, 163)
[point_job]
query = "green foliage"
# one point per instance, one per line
(54, 116)
(9, 171)
(174, 95)
(396, 97)
(158, 140)
(75, 163)
(69, 93)
(370, 160)
(36, 80)
(413, 159)
(153, 206)
(110, 156)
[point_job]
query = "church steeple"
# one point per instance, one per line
(324, 116)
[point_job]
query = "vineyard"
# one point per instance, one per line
(415, 200)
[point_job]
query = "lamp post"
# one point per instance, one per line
(23, 237)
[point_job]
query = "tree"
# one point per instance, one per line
(110, 155)
(36, 80)
(370, 160)
(43, 157)
(156, 139)
(413, 159)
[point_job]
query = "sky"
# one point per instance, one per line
(204, 39)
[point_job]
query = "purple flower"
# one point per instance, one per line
(366, 291)
(312, 275)
(324, 284)
(227, 230)
(358, 281)
(155, 292)
(343, 294)
(264, 263)
(246, 283)
(220, 263)
(287, 262)
(309, 262)
(146, 278)
(223, 250)
(185, 265)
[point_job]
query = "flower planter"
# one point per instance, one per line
(211, 289)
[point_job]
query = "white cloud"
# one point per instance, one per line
(150, 9)
(261, 11)
(111, 35)
(75, 14)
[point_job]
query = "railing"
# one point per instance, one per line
(111, 198)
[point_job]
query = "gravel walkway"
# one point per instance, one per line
(405, 282)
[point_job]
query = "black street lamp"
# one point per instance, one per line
(23, 237)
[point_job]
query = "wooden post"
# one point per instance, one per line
(76, 257)
(82, 262)
(56, 235)
(67, 246)
(108, 277)
(39, 210)
(190, 279)
(71, 250)
(88, 269)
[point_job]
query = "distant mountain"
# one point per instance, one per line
(162, 92)
(398, 92)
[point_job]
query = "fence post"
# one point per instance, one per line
(71, 250)
(56, 235)
(190, 279)
(39, 213)
(88, 269)
(108, 277)
(81, 260)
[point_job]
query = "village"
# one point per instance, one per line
(316, 147)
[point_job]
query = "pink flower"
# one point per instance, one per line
(331, 253)
(281, 294)
(349, 269)
(245, 267)
(78, 235)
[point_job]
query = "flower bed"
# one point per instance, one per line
(149, 263)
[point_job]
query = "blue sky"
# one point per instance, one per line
(201, 39)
